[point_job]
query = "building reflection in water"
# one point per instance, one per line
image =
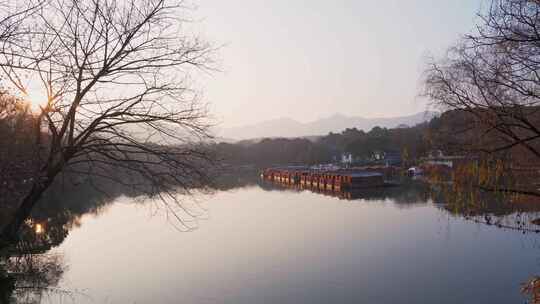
(409, 193)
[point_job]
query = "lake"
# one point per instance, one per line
(262, 244)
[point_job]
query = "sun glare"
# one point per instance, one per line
(36, 100)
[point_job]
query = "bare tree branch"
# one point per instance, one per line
(119, 97)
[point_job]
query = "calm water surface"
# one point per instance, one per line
(259, 246)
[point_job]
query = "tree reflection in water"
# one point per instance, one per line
(36, 276)
(503, 210)
(29, 273)
(532, 290)
(511, 212)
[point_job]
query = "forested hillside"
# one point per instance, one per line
(408, 142)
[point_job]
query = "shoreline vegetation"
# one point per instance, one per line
(122, 119)
(487, 208)
(426, 147)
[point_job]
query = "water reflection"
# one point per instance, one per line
(512, 212)
(36, 276)
(28, 276)
(35, 273)
(407, 193)
(27, 271)
(532, 290)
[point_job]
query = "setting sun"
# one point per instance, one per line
(36, 99)
(284, 151)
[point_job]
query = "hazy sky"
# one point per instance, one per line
(310, 59)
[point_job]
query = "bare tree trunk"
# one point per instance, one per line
(119, 96)
(9, 233)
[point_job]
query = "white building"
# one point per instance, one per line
(347, 158)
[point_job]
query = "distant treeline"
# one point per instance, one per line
(452, 133)
(408, 142)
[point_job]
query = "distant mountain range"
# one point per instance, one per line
(287, 127)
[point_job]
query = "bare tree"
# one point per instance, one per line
(13, 15)
(492, 78)
(119, 99)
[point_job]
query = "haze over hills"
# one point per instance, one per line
(287, 127)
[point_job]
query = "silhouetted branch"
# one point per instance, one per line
(119, 100)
